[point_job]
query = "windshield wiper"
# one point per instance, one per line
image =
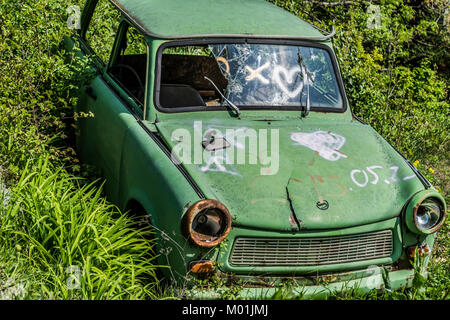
(231, 104)
(306, 75)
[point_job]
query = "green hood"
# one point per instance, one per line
(330, 174)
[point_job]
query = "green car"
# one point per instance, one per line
(226, 123)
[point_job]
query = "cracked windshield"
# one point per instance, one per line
(248, 75)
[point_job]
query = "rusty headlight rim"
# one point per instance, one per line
(413, 207)
(192, 216)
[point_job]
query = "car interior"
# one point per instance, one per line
(183, 82)
(182, 79)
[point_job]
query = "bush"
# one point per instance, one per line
(37, 85)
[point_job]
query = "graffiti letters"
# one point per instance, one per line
(361, 178)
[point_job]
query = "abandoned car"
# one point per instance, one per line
(227, 123)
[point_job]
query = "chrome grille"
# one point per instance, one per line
(311, 251)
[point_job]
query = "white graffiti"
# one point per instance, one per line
(326, 144)
(370, 170)
(394, 173)
(256, 74)
(283, 77)
(216, 163)
(361, 178)
(289, 77)
(366, 178)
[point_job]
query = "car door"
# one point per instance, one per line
(112, 100)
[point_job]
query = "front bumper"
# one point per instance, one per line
(392, 272)
(375, 279)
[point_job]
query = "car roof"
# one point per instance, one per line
(177, 19)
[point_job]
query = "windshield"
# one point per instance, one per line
(248, 75)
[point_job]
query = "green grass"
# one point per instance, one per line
(60, 239)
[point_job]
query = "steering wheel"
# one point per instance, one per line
(136, 75)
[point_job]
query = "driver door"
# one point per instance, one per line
(115, 97)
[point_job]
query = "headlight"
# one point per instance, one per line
(206, 223)
(425, 212)
(428, 214)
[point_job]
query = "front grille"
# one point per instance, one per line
(311, 251)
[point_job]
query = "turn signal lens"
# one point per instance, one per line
(201, 267)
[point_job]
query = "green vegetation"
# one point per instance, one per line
(55, 229)
(52, 219)
(66, 236)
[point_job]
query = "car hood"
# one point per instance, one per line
(309, 174)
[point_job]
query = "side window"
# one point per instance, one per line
(129, 66)
(101, 32)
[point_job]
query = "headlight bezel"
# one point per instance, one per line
(202, 207)
(413, 207)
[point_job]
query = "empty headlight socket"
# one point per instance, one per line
(196, 214)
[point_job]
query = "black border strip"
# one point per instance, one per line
(157, 83)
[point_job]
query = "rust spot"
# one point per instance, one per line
(320, 179)
(423, 250)
(200, 239)
(339, 151)
(187, 205)
(292, 221)
(202, 206)
(313, 161)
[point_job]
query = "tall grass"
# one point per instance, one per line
(71, 241)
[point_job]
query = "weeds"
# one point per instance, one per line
(77, 245)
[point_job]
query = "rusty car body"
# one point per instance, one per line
(339, 201)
